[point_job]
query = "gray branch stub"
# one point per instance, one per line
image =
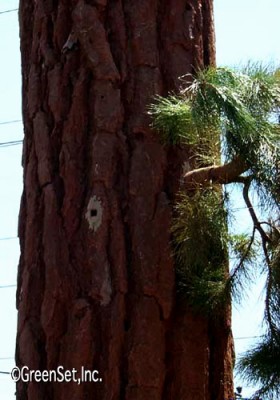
(94, 213)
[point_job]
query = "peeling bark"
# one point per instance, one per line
(96, 275)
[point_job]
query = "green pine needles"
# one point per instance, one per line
(236, 112)
(261, 365)
(173, 114)
(201, 254)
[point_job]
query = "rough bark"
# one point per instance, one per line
(96, 275)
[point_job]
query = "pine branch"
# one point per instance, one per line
(239, 275)
(237, 107)
(269, 317)
(220, 174)
(265, 238)
(244, 257)
(256, 222)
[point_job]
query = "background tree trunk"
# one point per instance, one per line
(96, 276)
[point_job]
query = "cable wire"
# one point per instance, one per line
(13, 121)
(248, 337)
(9, 238)
(7, 286)
(12, 143)
(8, 11)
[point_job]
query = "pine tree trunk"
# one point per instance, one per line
(96, 276)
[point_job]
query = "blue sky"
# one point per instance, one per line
(245, 30)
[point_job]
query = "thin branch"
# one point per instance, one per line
(231, 280)
(251, 210)
(245, 255)
(265, 240)
(268, 294)
(267, 223)
(221, 174)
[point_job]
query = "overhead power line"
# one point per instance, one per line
(8, 11)
(13, 121)
(9, 238)
(7, 286)
(245, 208)
(248, 337)
(12, 143)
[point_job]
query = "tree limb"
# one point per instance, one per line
(256, 222)
(221, 174)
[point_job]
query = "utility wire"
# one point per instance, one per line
(9, 238)
(245, 208)
(12, 143)
(8, 11)
(7, 286)
(248, 337)
(13, 121)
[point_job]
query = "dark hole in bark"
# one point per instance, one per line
(126, 325)
(93, 213)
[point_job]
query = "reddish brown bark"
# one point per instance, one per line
(96, 276)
